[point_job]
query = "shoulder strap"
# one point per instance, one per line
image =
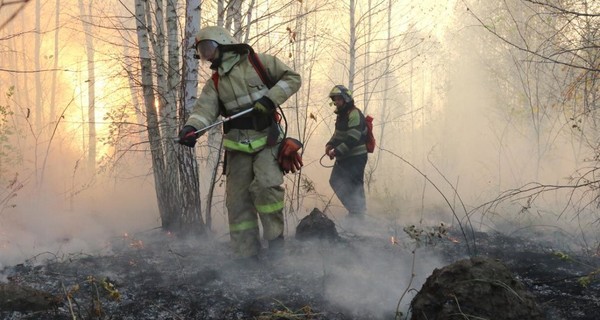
(256, 64)
(260, 68)
(215, 79)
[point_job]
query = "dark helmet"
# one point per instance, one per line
(340, 90)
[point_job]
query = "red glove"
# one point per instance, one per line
(289, 159)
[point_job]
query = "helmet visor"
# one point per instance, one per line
(337, 100)
(206, 49)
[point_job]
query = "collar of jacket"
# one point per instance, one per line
(344, 109)
(228, 60)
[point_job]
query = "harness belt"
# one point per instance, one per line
(254, 122)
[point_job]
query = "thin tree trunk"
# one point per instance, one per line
(188, 166)
(215, 135)
(89, 48)
(142, 25)
(37, 114)
(367, 58)
(38, 66)
(386, 85)
(55, 58)
(352, 48)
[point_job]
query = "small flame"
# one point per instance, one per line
(453, 239)
(393, 240)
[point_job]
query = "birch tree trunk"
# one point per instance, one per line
(234, 15)
(386, 85)
(185, 190)
(142, 27)
(352, 46)
(55, 58)
(38, 87)
(367, 58)
(188, 166)
(89, 48)
(215, 135)
(38, 66)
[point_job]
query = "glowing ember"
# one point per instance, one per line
(138, 244)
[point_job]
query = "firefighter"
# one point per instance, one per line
(347, 146)
(254, 179)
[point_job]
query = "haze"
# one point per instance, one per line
(462, 115)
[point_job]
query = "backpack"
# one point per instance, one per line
(370, 137)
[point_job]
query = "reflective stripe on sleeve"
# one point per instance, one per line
(195, 117)
(285, 87)
(354, 134)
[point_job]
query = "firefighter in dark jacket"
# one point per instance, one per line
(347, 146)
(254, 179)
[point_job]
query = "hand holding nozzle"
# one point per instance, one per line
(188, 134)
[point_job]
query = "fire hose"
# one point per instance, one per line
(239, 114)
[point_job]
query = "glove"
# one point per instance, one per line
(297, 162)
(264, 105)
(288, 147)
(331, 153)
(292, 163)
(188, 136)
(289, 159)
(286, 165)
(327, 149)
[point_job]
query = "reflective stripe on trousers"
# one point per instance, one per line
(254, 188)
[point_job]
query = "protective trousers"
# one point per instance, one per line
(347, 181)
(253, 190)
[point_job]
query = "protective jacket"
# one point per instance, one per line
(350, 133)
(238, 87)
(254, 178)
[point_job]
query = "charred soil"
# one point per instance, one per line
(358, 276)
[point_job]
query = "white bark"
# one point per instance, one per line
(55, 58)
(188, 166)
(352, 46)
(89, 47)
(151, 112)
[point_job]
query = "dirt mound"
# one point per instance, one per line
(479, 288)
(316, 226)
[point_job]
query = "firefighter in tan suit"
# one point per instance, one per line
(254, 179)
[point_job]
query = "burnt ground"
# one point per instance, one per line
(362, 275)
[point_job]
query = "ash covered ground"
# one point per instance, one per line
(365, 274)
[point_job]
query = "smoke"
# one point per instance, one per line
(366, 275)
(45, 225)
